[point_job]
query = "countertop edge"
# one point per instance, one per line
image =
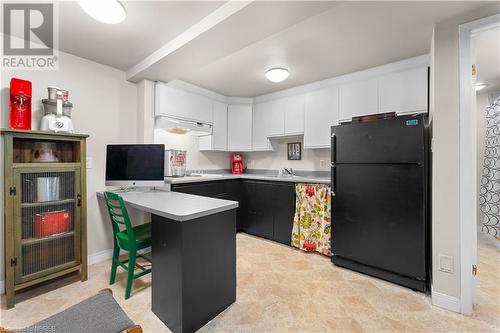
(188, 180)
(180, 218)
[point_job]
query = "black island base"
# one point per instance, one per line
(194, 269)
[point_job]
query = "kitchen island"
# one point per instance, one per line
(193, 254)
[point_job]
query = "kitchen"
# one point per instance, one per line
(238, 136)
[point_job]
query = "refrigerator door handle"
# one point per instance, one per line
(334, 160)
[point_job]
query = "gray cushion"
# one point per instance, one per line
(99, 313)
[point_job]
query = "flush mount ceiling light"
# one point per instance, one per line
(105, 11)
(277, 74)
(480, 86)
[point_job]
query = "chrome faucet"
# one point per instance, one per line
(288, 172)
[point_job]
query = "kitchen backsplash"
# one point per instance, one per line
(312, 159)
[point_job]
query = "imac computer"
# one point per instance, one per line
(140, 165)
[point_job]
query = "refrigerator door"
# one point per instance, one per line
(378, 217)
(399, 140)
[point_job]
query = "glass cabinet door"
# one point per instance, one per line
(47, 218)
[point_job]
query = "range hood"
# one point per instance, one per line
(187, 127)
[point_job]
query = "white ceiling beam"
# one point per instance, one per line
(205, 24)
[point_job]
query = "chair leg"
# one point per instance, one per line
(130, 273)
(116, 257)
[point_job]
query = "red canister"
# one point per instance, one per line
(50, 223)
(20, 104)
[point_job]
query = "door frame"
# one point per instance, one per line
(467, 161)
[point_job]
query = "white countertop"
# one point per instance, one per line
(174, 205)
(212, 177)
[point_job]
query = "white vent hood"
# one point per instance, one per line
(187, 127)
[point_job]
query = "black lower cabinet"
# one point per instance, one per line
(283, 211)
(225, 189)
(257, 215)
(194, 275)
(266, 209)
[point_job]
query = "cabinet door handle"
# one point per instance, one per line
(78, 200)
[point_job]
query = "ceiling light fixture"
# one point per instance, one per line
(277, 74)
(105, 11)
(480, 86)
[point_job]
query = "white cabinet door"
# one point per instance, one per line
(170, 101)
(200, 108)
(218, 139)
(175, 102)
(220, 126)
(358, 98)
(404, 92)
(259, 127)
(239, 127)
(267, 121)
(294, 114)
(321, 112)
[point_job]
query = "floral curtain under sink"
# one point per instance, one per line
(312, 221)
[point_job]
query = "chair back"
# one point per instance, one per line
(118, 214)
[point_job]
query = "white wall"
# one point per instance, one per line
(105, 107)
(445, 116)
(196, 160)
(278, 159)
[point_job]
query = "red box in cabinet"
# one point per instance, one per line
(51, 223)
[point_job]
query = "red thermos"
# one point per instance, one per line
(20, 104)
(237, 163)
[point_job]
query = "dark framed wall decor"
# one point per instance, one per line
(294, 151)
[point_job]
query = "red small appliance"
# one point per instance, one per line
(237, 164)
(20, 104)
(51, 223)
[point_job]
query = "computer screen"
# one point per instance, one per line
(135, 165)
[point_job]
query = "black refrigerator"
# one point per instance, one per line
(380, 208)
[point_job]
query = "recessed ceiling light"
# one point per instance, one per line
(480, 86)
(277, 74)
(105, 11)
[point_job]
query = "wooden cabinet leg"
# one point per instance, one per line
(9, 295)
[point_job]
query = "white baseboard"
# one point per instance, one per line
(446, 301)
(99, 256)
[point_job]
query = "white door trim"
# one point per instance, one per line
(467, 163)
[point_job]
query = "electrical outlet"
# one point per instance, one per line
(322, 164)
(89, 162)
(446, 263)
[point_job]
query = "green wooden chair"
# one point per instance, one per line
(127, 238)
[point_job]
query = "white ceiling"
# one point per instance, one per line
(348, 37)
(148, 26)
(314, 39)
(486, 46)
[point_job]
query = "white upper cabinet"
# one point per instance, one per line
(294, 114)
(267, 121)
(275, 118)
(259, 127)
(321, 112)
(239, 127)
(359, 98)
(220, 126)
(178, 103)
(404, 92)
(218, 139)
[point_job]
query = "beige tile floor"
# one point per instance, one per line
(281, 289)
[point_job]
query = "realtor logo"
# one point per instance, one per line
(29, 36)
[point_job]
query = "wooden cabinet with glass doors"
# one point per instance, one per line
(44, 207)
